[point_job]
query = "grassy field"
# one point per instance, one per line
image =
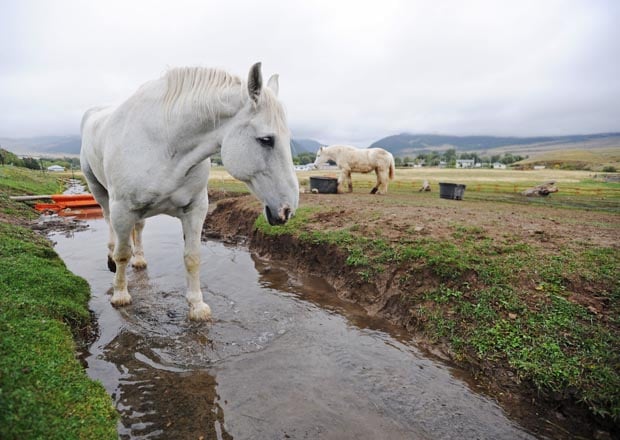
(594, 159)
(44, 391)
(578, 189)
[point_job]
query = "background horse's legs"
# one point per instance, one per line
(138, 251)
(122, 224)
(382, 180)
(192, 222)
(377, 186)
(344, 181)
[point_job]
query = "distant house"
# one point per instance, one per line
(465, 163)
(499, 166)
(55, 168)
(539, 167)
(443, 164)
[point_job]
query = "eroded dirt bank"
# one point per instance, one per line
(385, 294)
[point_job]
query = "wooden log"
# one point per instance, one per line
(425, 186)
(541, 190)
(26, 198)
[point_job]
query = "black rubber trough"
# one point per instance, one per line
(324, 185)
(452, 191)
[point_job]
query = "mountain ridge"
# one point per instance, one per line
(400, 145)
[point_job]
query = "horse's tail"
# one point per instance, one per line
(391, 167)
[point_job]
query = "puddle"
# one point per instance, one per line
(284, 358)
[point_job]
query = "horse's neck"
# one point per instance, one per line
(194, 135)
(334, 153)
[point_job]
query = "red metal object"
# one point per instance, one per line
(72, 205)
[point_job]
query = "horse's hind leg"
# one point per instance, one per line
(103, 198)
(122, 224)
(192, 222)
(382, 181)
(376, 187)
(138, 251)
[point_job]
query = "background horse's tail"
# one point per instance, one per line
(391, 167)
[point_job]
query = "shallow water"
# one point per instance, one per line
(283, 358)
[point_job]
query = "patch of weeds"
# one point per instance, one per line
(443, 294)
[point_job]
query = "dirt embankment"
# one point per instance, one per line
(554, 415)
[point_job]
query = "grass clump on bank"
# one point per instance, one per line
(44, 391)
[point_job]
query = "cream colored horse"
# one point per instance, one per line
(351, 159)
(150, 156)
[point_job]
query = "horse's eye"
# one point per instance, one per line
(267, 141)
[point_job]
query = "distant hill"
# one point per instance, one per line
(410, 144)
(43, 145)
(71, 145)
(299, 146)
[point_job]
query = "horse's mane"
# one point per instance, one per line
(201, 88)
(208, 92)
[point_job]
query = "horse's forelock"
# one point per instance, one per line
(269, 103)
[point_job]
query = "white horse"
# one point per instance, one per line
(351, 159)
(150, 156)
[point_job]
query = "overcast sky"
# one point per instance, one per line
(350, 71)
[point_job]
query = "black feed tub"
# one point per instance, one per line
(453, 191)
(324, 185)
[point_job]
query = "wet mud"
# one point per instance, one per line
(283, 357)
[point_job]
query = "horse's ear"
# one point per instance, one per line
(273, 84)
(255, 82)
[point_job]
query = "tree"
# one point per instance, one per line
(304, 158)
(31, 163)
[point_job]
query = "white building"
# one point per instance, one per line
(465, 163)
(499, 166)
(55, 168)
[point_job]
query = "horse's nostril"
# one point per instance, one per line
(287, 213)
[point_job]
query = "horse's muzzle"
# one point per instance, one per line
(284, 213)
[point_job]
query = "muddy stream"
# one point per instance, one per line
(283, 358)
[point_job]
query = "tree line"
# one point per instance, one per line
(433, 158)
(9, 158)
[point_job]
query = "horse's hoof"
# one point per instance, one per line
(139, 263)
(200, 312)
(111, 264)
(374, 190)
(120, 299)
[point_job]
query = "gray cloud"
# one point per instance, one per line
(350, 71)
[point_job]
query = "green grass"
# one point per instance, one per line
(19, 181)
(44, 391)
(503, 301)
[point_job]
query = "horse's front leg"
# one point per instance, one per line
(122, 225)
(344, 181)
(192, 223)
(139, 262)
